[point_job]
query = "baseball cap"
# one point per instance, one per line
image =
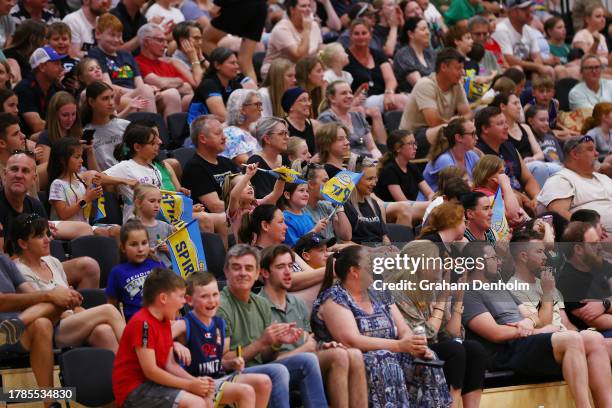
(44, 54)
(571, 143)
(310, 241)
(518, 3)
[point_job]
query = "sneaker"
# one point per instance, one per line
(10, 331)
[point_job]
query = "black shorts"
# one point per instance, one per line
(245, 19)
(532, 356)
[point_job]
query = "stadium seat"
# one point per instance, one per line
(89, 370)
(392, 120)
(400, 233)
(92, 297)
(112, 204)
(215, 254)
(562, 90)
(103, 249)
(178, 129)
(58, 249)
(43, 197)
(153, 117)
(183, 155)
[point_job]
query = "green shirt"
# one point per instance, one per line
(245, 321)
(295, 311)
(561, 51)
(461, 10)
(166, 181)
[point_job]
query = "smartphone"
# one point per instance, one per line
(431, 363)
(88, 135)
(548, 219)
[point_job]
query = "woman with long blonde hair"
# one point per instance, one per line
(281, 77)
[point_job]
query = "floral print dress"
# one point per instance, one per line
(394, 380)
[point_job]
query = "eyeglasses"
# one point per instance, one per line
(158, 39)
(583, 139)
(592, 68)
(23, 151)
(473, 134)
(259, 105)
(481, 34)
(281, 133)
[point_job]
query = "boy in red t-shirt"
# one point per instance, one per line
(145, 373)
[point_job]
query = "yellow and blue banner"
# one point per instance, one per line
(286, 174)
(338, 188)
(96, 207)
(176, 208)
(499, 223)
(186, 250)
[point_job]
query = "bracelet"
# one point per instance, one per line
(195, 63)
(437, 317)
(389, 91)
(533, 321)
(275, 347)
(440, 309)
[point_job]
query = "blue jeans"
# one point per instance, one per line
(542, 171)
(300, 370)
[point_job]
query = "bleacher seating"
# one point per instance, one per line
(178, 129)
(92, 297)
(89, 370)
(183, 155)
(215, 254)
(103, 249)
(159, 122)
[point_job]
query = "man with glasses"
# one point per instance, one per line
(478, 26)
(578, 186)
(160, 74)
(593, 88)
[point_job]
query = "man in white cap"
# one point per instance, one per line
(34, 92)
(518, 40)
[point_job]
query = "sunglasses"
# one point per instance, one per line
(23, 151)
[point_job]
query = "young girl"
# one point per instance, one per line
(139, 147)
(309, 75)
(147, 199)
(126, 280)
(334, 58)
(62, 121)
(29, 241)
(297, 149)
(72, 190)
(98, 113)
(299, 223)
(239, 196)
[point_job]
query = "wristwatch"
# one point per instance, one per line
(82, 203)
(606, 304)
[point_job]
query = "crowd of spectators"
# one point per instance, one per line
(442, 109)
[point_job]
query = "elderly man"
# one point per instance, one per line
(160, 72)
(518, 40)
(250, 326)
(35, 92)
(593, 88)
(435, 100)
(578, 186)
(82, 272)
(82, 24)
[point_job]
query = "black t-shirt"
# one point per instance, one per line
(510, 156)
(32, 99)
(130, 26)
(121, 68)
(576, 285)
(331, 170)
(307, 134)
(203, 177)
(391, 174)
(361, 74)
(367, 227)
(208, 88)
(264, 182)
(8, 213)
